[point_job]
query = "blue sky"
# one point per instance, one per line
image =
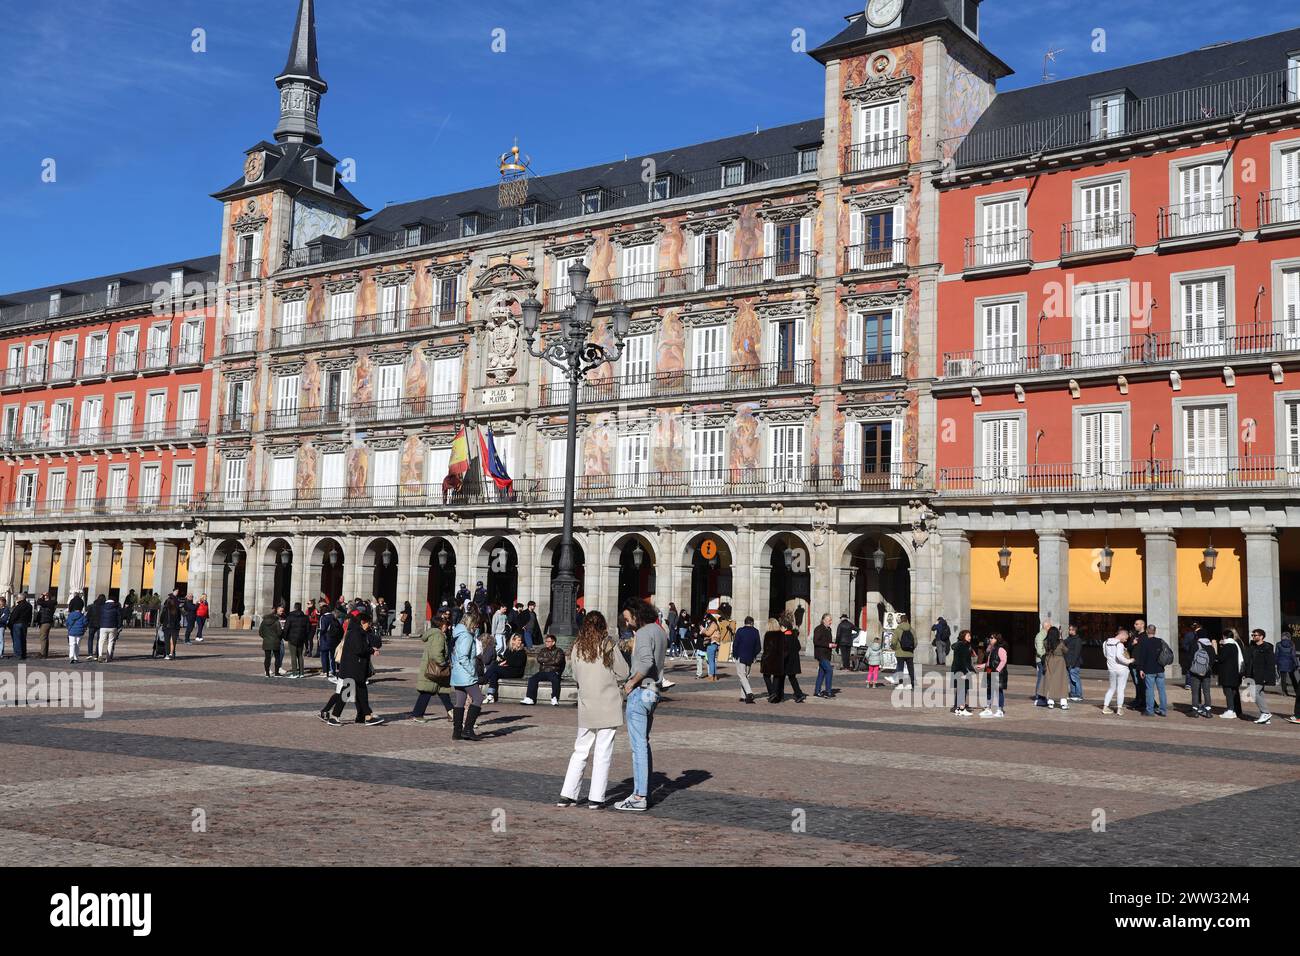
(142, 128)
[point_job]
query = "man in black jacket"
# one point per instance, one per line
(1152, 672)
(19, 620)
(169, 622)
(45, 620)
(1261, 667)
(297, 630)
(844, 640)
(1074, 662)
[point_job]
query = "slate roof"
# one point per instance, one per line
(1219, 63)
(286, 163)
(918, 16)
(302, 45)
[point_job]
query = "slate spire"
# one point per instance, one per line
(300, 85)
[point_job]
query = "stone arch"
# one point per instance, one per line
(786, 588)
(624, 582)
(707, 581)
(867, 593)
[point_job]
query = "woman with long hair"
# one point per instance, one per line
(995, 667)
(354, 662)
(464, 675)
(599, 668)
(1056, 683)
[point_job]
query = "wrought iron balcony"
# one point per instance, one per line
(361, 327)
(722, 277)
(1195, 106)
(1098, 235)
(102, 507)
(809, 480)
(1150, 476)
(879, 256)
(1203, 217)
(881, 153)
(244, 271)
(51, 438)
(731, 378)
(398, 411)
(874, 368)
(1000, 250)
(1279, 207)
(1131, 349)
(235, 422)
(238, 343)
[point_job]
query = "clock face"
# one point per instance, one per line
(253, 168)
(881, 13)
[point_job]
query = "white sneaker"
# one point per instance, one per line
(1065, 705)
(489, 699)
(668, 683)
(1264, 718)
(986, 712)
(999, 714)
(555, 702)
(1228, 715)
(528, 702)
(890, 680)
(963, 713)
(1050, 702)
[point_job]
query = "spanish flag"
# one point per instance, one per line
(458, 466)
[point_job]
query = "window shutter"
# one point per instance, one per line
(1292, 436)
(332, 482)
(853, 347)
(805, 246)
(1291, 307)
(856, 238)
(769, 250)
(852, 458)
(446, 377)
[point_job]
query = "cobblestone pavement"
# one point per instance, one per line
(204, 760)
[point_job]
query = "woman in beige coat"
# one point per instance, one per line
(1056, 678)
(599, 668)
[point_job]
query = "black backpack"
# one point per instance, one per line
(907, 640)
(1166, 654)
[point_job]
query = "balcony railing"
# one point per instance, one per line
(647, 486)
(103, 507)
(235, 422)
(548, 209)
(1098, 234)
(93, 366)
(875, 368)
(238, 343)
(1195, 106)
(102, 436)
(733, 378)
(1279, 206)
(876, 256)
(100, 366)
(370, 326)
(723, 276)
(364, 413)
(999, 249)
(1199, 218)
(244, 271)
(1134, 348)
(880, 153)
(124, 363)
(1140, 477)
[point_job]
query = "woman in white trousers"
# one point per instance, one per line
(1117, 665)
(599, 667)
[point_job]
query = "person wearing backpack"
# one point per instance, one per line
(1287, 665)
(1200, 669)
(904, 647)
(1153, 657)
(942, 640)
(1186, 648)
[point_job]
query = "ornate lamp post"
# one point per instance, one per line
(572, 353)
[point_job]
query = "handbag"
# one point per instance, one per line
(437, 673)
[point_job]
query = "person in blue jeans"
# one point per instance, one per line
(1153, 675)
(1074, 662)
(823, 648)
(649, 646)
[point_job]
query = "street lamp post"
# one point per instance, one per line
(572, 353)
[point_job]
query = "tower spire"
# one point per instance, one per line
(301, 85)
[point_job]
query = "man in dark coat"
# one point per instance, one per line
(169, 621)
(481, 599)
(1186, 648)
(190, 612)
(790, 642)
(78, 603)
(1261, 667)
(297, 631)
(93, 612)
(772, 665)
(44, 616)
(844, 633)
(1074, 662)
(745, 649)
(20, 619)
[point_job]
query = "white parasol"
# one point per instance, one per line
(7, 565)
(77, 570)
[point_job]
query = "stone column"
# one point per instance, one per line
(597, 596)
(1263, 582)
(132, 569)
(101, 569)
(667, 566)
(38, 579)
(1162, 583)
(412, 585)
(743, 575)
(66, 547)
(955, 569)
(351, 548)
(299, 589)
(258, 596)
(164, 566)
(1054, 576)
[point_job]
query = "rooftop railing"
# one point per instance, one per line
(1195, 106)
(88, 303)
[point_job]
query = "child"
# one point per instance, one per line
(76, 627)
(873, 662)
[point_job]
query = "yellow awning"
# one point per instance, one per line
(1017, 590)
(1122, 591)
(1202, 594)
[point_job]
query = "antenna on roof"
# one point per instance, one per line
(1050, 57)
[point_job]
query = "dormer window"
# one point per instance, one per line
(970, 16)
(733, 174)
(322, 175)
(1107, 120)
(178, 282)
(363, 245)
(469, 225)
(808, 159)
(55, 298)
(661, 188)
(592, 202)
(1293, 77)
(528, 214)
(114, 293)
(412, 236)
